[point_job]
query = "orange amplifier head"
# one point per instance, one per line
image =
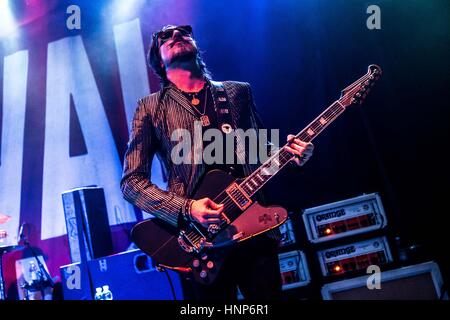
(344, 218)
(354, 256)
(294, 269)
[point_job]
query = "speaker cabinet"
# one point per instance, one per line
(87, 224)
(129, 275)
(416, 282)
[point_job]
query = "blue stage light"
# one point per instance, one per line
(7, 23)
(123, 10)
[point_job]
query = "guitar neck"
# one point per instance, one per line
(277, 161)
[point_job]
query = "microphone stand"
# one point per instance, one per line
(42, 284)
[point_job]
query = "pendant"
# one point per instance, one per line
(205, 121)
(195, 101)
(226, 128)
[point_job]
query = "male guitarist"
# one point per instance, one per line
(187, 95)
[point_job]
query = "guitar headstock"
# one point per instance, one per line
(358, 90)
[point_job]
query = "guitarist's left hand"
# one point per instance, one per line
(302, 150)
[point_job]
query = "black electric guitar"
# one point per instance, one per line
(200, 252)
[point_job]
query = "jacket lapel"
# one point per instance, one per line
(181, 99)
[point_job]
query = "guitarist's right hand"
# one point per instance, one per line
(206, 212)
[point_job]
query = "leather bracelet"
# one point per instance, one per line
(187, 210)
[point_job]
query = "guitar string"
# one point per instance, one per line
(285, 156)
(283, 153)
(328, 118)
(228, 201)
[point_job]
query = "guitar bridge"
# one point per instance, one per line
(190, 241)
(238, 195)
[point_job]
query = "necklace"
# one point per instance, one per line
(194, 98)
(195, 101)
(203, 117)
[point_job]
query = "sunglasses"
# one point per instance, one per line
(165, 35)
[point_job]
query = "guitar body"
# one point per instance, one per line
(161, 241)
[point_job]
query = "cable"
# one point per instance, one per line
(170, 283)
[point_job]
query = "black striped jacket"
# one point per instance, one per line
(155, 118)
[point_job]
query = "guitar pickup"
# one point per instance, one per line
(238, 195)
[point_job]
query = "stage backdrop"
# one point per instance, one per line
(70, 87)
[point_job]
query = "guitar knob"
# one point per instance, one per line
(210, 265)
(203, 274)
(277, 217)
(204, 256)
(196, 263)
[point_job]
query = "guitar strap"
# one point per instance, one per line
(222, 107)
(226, 123)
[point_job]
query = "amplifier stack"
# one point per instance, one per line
(347, 221)
(347, 237)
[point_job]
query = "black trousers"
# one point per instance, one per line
(252, 266)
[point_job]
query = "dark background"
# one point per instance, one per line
(298, 56)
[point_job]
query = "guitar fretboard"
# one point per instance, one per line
(277, 161)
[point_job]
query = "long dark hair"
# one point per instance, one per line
(155, 62)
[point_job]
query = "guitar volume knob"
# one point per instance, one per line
(210, 265)
(196, 263)
(203, 274)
